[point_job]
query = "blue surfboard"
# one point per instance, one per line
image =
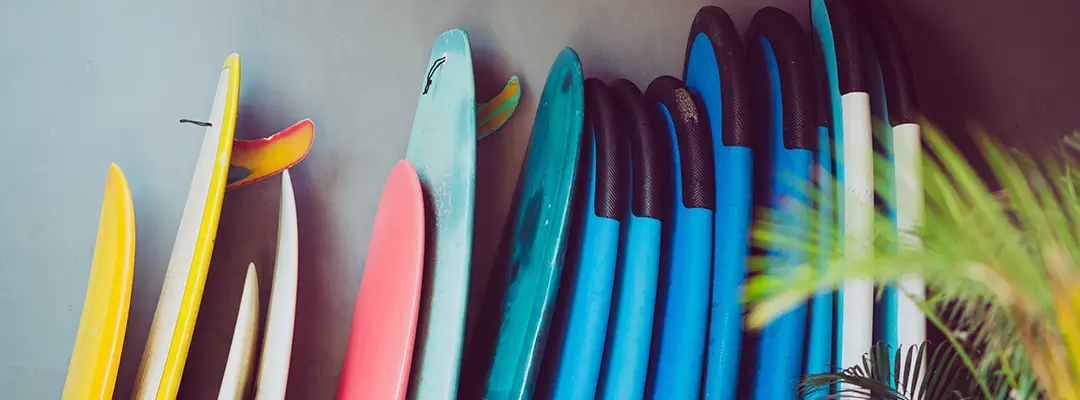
(820, 338)
(715, 72)
(626, 354)
(503, 357)
(571, 367)
(838, 33)
(683, 300)
(782, 77)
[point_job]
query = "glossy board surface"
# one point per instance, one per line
(506, 348)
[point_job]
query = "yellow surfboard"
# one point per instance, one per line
(178, 305)
(94, 361)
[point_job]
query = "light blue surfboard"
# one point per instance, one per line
(442, 148)
(782, 77)
(715, 72)
(504, 355)
(626, 355)
(682, 311)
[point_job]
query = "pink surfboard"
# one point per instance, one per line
(379, 352)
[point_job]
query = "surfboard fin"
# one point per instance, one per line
(255, 160)
(493, 115)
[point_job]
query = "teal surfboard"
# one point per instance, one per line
(442, 148)
(504, 354)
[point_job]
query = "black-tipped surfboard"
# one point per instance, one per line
(820, 337)
(895, 110)
(683, 300)
(714, 71)
(626, 358)
(783, 84)
(838, 32)
(575, 348)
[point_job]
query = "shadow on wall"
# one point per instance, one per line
(1006, 67)
(498, 161)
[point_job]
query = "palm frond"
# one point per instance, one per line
(1002, 270)
(898, 375)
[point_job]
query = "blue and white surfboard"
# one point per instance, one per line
(838, 32)
(900, 321)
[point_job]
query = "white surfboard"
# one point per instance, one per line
(907, 156)
(281, 312)
(242, 350)
(167, 345)
(833, 22)
(857, 334)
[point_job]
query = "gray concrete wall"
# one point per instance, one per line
(83, 84)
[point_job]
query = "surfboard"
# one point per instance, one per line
(167, 345)
(838, 33)
(781, 75)
(678, 351)
(507, 346)
(575, 348)
(885, 307)
(273, 375)
(893, 93)
(442, 148)
(380, 346)
(100, 338)
(715, 73)
(255, 160)
(819, 340)
(626, 357)
(234, 382)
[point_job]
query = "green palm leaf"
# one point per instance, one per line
(881, 367)
(1001, 270)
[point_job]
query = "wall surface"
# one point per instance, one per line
(1005, 67)
(83, 84)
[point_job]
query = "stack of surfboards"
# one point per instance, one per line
(621, 263)
(222, 164)
(380, 350)
(629, 287)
